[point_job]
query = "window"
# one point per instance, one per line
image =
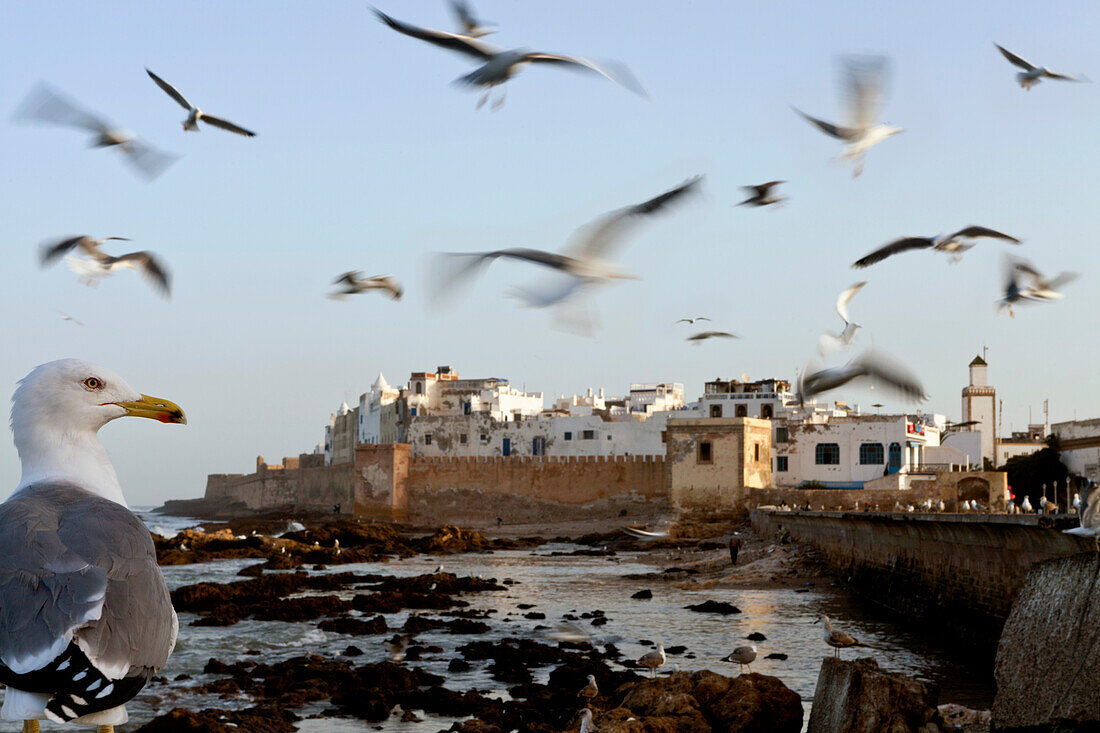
(588, 435)
(781, 463)
(420, 388)
(741, 411)
(766, 412)
(716, 411)
(871, 454)
(428, 439)
(466, 408)
(506, 446)
(412, 412)
(568, 435)
(827, 454)
(895, 456)
(538, 446)
(462, 439)
(756, 452)
(782, 435)
(705, 452)
(484, 437)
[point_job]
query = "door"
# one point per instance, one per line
(506, 447)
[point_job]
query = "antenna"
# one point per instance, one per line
(985, 352)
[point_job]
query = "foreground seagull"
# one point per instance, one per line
(830, 341)
(653, 660)
(44, 104)
(1024, 282)
(500, 65)
(870, 365)
(99, 264)
(586, 261)
(704, 335)
(353, 283)
(194, 114)
(86, 619)
(472, 26)
(1088, 509)
(864, 81)
(953, 244)
(1032, 74)
(743, 656)
(761, 194)
(836, 638)
(587, 726)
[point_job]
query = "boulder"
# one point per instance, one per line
(860, 697)
(1050, 636)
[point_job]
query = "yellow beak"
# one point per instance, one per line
(154, 408)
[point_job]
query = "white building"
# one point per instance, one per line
(443, 393)
(979, 403)
(585, 404)
(1080, 441)
(655, 397)
(1021, 443)
(370, 409)
(766, 398)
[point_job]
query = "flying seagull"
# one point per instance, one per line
(1032, 74)
(864, 82)
(830, 341)
(99, 264)
(585, 260)
(836, 638)
(870, 365)
(353, 282)
(66, 317)
(87, 619)
(761, 195)
(644, 534)
(702, 336)
(1024, 282)
(953, 244)
(44, 104)
(194, 114)
(691, 321)
(472, 26)
(499, 65)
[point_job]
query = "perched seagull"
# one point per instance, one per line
(953, 244)
(99, 264)
(194, 114)
(397, 646)
(500, 65)
(864, 82)
(704, 335)
(585, 259)
(653, 660)
(44, 104)
(354, 283)
(587, 726)
(1032, 74)
(1023, 282)
(1089, 511)
(87, 619)
(830, 341)
(438, 570)
(761, 195)
(591, 690)
(1026, 505)
(472, 26)
(836, 638)
(872, 365)
(1077, 503)
(743, 656)
(691, 321)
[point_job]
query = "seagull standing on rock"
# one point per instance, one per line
(653, 660)
(836, 638)
(1032, 74)
(194, 114)
(743, 656)
(591, 690)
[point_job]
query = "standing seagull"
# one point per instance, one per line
(1024, 282)
(591, 690)
(761, 194)
(1032, 74)
(99, 264)
(354, 283)
(830, 341)
(653, 660)
(44, 104)
(500, 65)
(864, 82)
(836, 638)
(472, 26)
(86, 618)
(953, 244)
(743, 656)
(194, 114)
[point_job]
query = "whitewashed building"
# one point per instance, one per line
(1080, 441)
(370, 409)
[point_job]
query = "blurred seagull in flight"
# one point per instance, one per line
(1024, 282)
(472, 26)
(831, 342)
(44, 104)
(953, 244)
(66, 317)
(353, 283)
(194, 114)
(702, 336)
(1032, 74)
(500, 65)
(871, 365)
(761, 195)
(864, 82)
(98, 264)
(691, 321)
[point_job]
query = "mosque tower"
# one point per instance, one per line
(979, 402)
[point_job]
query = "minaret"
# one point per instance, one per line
(979, 402)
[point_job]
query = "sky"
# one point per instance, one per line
(369, 158)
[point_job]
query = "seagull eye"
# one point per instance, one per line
(93, 383)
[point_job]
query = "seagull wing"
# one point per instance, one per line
(453, 41)
(453, 268)
(644, 534)
(51, 251)
(226, 125)
(898, 245)
(846, 297)
(44, 104)
(1014, 59)
(464, 15)
(149, 162)
(888, 372)
(599, 238)
(1062, 77)
(351, 277)
(1062, 278)
(387, 283)
(763, 188)
(840, 133)
(151, 268)
(977, 231)
(841, 638)
(864, 83)
(170, 90)
(616, 72)
(704, 335)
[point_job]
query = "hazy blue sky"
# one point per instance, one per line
(367, 158)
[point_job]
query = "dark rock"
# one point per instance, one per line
(524, 606)
(756, 636)
(643, 595)
(599, 621)
(777, 655)
(676, 650)
(355, 626)
(714, 607)
(410, 717)
(535, 615)
(858, 695)
(255, 720)
(459, 665)
(353, 651)
(251, 571)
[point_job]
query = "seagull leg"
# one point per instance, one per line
(499, 102)
(30, 726)
(484, 98)
(105, 729)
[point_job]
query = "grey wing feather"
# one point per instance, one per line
(613, 70)
(443, 39)
(226, 125)
(841, 133)
(898, 245)
(44, 104)
(50, 252)
(151, 268)
(147, 160)
(864, 81)
(977, 231)
(170, 90)
(1014, 59)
